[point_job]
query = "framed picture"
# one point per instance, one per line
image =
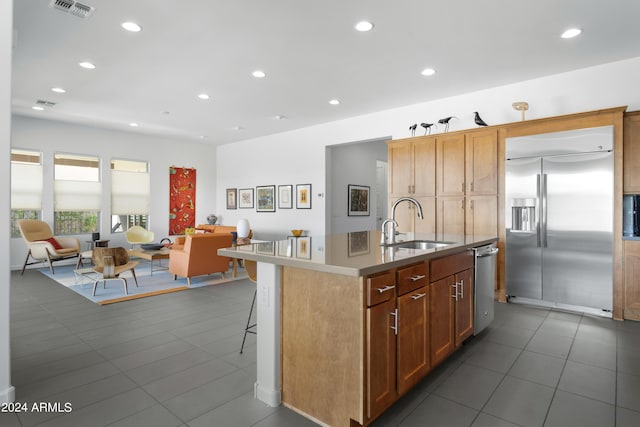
(245, 198)
(285, 247)
(285, 196)
(266, 248)
(358, 243)
(358, 203)
(303, 247)
(303, 196)
(266, 198)
(232, 202)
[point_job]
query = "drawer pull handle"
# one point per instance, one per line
(385, 289)
(417, 277)
(418, 296)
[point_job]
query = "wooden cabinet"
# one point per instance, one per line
(481, 163)
(381, 357)
(413, 338)
(412, 167)
(451, 304)
(632, 280)
(450, 165)
(631, 148)
(450, 214)
(481, 215)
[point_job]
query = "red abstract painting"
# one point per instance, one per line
(182, 199)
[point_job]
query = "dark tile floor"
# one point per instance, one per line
(172, 360)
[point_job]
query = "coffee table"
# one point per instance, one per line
(151, 256)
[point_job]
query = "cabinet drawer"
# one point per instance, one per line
(443, 267)
(380, 288)
(413, 277)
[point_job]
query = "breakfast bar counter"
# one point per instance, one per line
(337, 338)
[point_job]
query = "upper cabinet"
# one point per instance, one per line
(412, 167)
(631, 148)
(482, 163)
(450, 165)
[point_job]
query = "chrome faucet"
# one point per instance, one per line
(389, 238)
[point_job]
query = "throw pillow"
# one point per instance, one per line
(56, 245)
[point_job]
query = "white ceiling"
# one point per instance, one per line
(309, 50)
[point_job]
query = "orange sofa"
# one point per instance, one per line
(199, 256)
(216, 228)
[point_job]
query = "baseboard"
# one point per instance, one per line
(270, 397)
(8, 395)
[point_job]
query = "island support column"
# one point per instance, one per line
(268, 388)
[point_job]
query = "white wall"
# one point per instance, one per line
(299, 156)
(353, 164)
(7, 393)
(51, 137)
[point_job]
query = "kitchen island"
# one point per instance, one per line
(347, 326)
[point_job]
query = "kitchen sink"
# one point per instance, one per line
(422, 244)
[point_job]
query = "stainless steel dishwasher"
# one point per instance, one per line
(485, 278)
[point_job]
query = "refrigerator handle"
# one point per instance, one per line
(544, 210)
(539, 209)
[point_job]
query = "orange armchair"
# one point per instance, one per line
(199, 256)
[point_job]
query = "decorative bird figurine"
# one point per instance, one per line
(445, 122)
(427, 127)
(413, 128)
(478, 119)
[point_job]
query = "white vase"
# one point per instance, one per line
(243, 228)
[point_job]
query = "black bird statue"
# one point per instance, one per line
(413, 128)
(445, 122)
(478, 119)
(427, 127)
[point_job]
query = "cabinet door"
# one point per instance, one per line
(441, 319)
(399, 168)
(632, 280)
(413, 338)
(464, 306)
(424, 166)
(426, 226)
(381, 357)
(482, 216)
(482, 162)
(631, 148)
(450, 165)
(450, 219)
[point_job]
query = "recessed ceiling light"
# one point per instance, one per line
(203, 136)
(133, 125)
(571, 33)
(203, 96)
(259, 74)
(131, 26)
(37, 108)
(58, 90)
(334, 102)
(238, 128)
(87, 65)
(280, 117)
(428, 72)
(364, 26)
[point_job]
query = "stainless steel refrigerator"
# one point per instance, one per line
(559, 219)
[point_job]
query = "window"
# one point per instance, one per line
(130, 191)
(26, 187)
(76, 208)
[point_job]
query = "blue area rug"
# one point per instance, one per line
(161, 282)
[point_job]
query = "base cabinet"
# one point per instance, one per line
(381, 357)
(413, 338)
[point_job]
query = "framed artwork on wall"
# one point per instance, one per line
(245, 198)
(285, 196)
(266, 198)
(303, 196)
(358, 203)
(232, 202)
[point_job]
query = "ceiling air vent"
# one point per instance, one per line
(72, 7)
(43, 103)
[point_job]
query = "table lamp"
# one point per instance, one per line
(243, 228)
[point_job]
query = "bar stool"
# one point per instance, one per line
(251, 268)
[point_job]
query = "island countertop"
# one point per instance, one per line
(351, 254)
